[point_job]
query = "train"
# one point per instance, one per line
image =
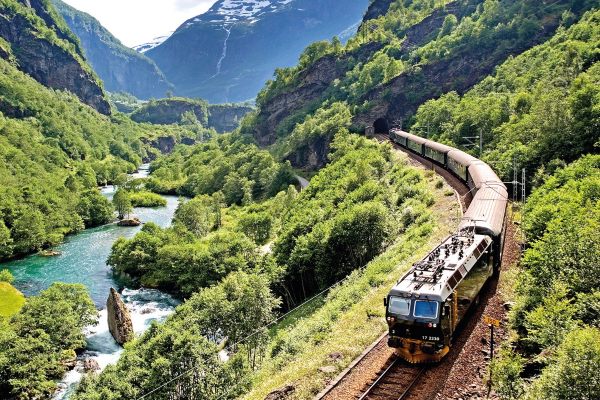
(428, 305)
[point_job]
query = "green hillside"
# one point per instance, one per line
(540, 109)
(53, 148)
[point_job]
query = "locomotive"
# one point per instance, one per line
(426, 306)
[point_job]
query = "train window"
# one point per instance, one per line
(399, 306)
(426, 309)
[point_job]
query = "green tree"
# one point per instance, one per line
(574, 373)
(197, 215)
(29, 231)
(6, 241)
(38, 340)
(122, 203)
(94, 208)
(257, 226)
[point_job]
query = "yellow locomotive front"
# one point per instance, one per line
(425, 307)
(416, 329)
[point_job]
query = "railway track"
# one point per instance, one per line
(394, 382)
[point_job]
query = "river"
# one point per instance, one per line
(83, 260)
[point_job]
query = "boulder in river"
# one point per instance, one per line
(130, 222)
(90, 365)
(119, 320)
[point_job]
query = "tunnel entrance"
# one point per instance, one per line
(381, 126)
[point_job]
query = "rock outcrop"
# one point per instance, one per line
(46, 50)
(400, 98)
(226, 117)
(119, 320)
(222, 117)
(377, 8)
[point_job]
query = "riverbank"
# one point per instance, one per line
(81, 258)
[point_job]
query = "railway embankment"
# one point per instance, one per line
(463, 374)
(351, 318)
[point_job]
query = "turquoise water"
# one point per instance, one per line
(83, 256)
(83, 260)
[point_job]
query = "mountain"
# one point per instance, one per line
(122, 69)
(405, 54)
(142, 48)
(35, 39)
(229, 52)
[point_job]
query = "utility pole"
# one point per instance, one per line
(514, 182)
(480, 143)
(523, 192)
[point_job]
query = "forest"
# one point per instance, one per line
(248, 245)
(357, 204)
(55, 152)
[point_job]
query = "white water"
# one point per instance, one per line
(224, 53)
(145, 306)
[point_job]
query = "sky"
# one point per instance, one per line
(139, 21)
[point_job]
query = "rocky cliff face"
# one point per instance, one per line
(377, 8)
(313, 82)
(119, 320)
(45, 49)
(226, 118)
(228, 53)
(222, 117)
(120, 68)
(400, 98)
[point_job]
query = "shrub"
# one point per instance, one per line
(147, 199)
(6, 276)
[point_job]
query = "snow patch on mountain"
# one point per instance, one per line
(142, 48)
(233, 11)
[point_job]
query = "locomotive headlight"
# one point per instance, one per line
(435, 325)
(429, 325)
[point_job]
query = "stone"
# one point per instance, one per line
(130, 222)
(147, 311)
(328, 369)
(508, 305)
(282, 393)
(119, 320)
(337, 356)
(90, 365)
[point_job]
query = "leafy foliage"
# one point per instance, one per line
(54, 151)
(239, 170)
(186, 344)
(537, 108)
(37, 341)
(558, 290)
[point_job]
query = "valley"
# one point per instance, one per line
(240, 183)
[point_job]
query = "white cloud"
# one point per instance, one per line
(139, 21)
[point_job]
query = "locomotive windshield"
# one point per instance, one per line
(399, 306)
(426, 309)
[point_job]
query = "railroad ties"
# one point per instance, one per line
(395, 382)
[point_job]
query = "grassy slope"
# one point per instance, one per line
(351, 317)
(11, 300)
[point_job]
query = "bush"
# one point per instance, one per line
(6, 276)
(507, 367)
(574, 372)
(147, 199)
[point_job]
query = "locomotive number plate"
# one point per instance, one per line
(431, 338)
